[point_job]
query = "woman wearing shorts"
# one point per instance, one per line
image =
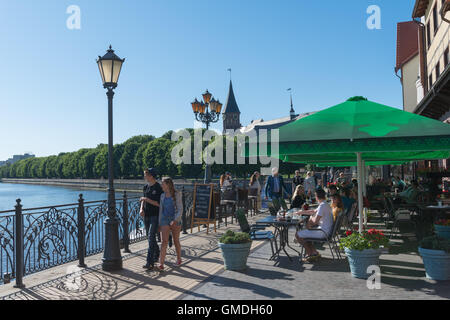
(170, 210)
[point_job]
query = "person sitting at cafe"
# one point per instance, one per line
(319, 226)
(398, 183)
(337, 206)
(299, 197)
(411, 193)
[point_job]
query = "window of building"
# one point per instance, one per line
(430, 81)
(438, 70)
(446, 57)
(435, 18)
(428, 34)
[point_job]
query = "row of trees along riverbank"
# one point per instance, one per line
(130, 159)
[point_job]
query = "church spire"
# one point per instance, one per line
(231, 104)
(231, 113)
(292, 112)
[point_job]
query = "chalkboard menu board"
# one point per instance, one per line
(203, 210)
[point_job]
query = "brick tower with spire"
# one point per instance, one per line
(231, 113)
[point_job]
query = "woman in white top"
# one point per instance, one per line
(309, 184)
(321, 219)
(255, 185)
(225, 182)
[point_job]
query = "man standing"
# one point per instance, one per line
(150, 213)
(298, 180)
(274, 186)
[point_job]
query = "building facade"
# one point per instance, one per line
(434, 56)
(423, 54)
(17, 157)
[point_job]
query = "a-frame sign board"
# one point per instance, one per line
(202, 209)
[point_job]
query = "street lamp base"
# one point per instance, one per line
(112, 259)
(112, 265)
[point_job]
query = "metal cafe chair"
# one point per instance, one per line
(398, 216)
(331, 240)
(228, 203)
(256, 231)
(253, 199)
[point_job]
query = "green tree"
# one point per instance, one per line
(127, 161)
(158, 155)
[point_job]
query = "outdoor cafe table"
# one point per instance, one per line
(436, 211)
(282, 231)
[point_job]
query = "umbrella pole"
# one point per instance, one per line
(364, 179)
(360, 191)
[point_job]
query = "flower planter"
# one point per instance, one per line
(359, 261)
(437, 264)
(235, 255)
(442, 231)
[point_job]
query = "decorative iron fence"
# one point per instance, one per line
(32, 240)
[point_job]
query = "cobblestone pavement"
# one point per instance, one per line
(201, 259)
(402, 277)
(202, 276)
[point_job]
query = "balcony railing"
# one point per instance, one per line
(35, 239)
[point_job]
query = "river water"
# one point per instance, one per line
(33, 196)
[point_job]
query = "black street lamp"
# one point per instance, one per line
(207, 111)
(110, 65)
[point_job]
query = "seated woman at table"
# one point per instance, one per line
(298, 198)
(337, 206)
(319, 226)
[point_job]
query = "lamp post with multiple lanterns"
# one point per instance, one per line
(207, 112)
(110, 66)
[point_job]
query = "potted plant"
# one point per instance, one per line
(235, 247)
(435, 253)
(363, 250)
(442, 228)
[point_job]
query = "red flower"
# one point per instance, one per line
(348, 233)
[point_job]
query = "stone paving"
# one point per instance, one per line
(201, 259)
(202, 276)
(402, 277)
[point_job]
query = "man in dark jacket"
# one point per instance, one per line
(274, 186)
(150, 213)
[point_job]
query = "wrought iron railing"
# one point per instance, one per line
(32, 240)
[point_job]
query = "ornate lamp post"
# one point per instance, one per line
(110, 65)
(207, 111)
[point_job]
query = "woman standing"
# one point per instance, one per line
(310, 185)
(170, 210)
(255, 188)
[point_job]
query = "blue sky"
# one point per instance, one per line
(52, 100)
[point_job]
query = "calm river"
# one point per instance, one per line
(33, 196)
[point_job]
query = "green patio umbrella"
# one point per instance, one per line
(360, 130)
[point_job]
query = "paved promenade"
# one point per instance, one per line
(402, 277)
(201, 259)
(201, 276)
